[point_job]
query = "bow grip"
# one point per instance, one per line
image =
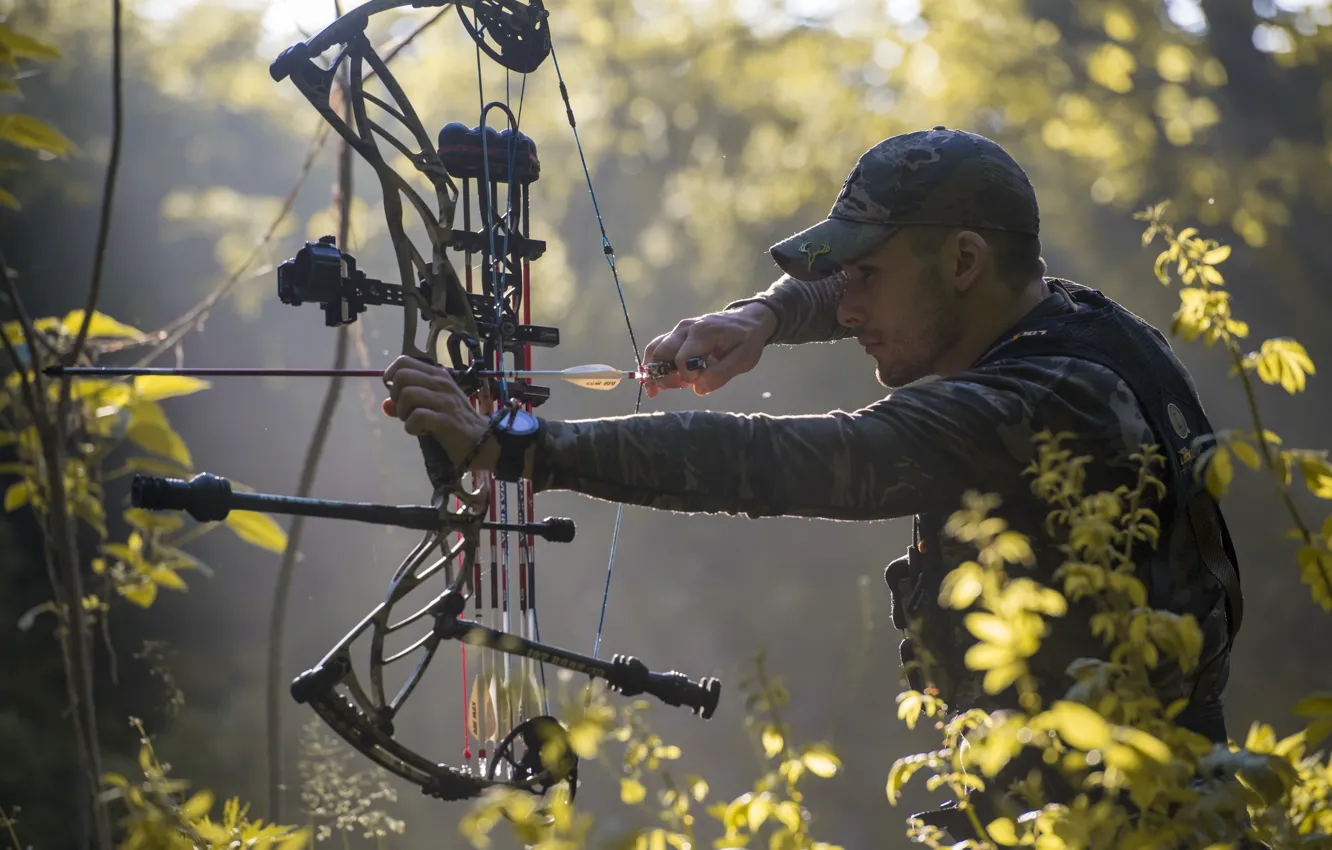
(443, 474)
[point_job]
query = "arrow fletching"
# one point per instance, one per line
(594, 376)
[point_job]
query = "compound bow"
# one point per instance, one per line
(474, 332)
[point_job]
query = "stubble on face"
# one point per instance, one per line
(922, 339)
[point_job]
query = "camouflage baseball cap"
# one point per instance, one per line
(940, 176)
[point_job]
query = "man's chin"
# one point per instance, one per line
(895, 379)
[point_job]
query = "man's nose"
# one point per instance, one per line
(849, 311)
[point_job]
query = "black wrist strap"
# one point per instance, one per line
(512, 451)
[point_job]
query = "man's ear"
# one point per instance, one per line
(966, 262)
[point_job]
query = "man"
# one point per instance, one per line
(931, 259)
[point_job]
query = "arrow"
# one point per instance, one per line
(592, 376)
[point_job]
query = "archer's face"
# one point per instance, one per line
(900, 310)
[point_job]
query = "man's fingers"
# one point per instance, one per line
(666, 346)
(422, 422)
(409, 399)
(737, 361)
(427, 376)
(704, 343)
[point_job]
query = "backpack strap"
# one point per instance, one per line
(1105, 333)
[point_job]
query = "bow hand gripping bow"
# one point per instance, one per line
(473, 332)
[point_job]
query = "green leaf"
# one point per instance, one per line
(772, 739)
(160, 438)
(166, 577)
(632, 792)
(102, 326)
(1080, 726)
(258, 530)
(1284, 362)
(1247, 454)
(22, 46)
(1314, 705)
(18, 495)
(158, 387)
(900, 773)
(1003, 832)
(1220, 472)
(7, 199)
(821, 761)
(163, 523)
(33, 134)
(1318, 730)
(909, 705)
(141, 594)
(1316, 571)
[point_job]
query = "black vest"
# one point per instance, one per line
(1103, 332)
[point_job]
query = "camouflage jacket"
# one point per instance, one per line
(916, 451)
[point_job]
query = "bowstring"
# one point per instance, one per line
(499, 283)
(609, 252)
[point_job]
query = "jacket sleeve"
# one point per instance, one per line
(806, 310)
(917, 450)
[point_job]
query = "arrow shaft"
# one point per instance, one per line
(597, 377)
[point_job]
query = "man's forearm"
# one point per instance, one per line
(703, 462)
(806, 311)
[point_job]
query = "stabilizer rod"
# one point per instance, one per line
(209, 498)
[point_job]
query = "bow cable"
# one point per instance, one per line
(609, 252)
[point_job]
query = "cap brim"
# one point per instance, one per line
(825, 248)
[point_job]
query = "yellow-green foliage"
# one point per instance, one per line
(118, 427)
(1137, 779)
(24, 131)
(159, 817)
(772, 814)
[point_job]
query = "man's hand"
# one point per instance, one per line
(732, 341)
(430, 403)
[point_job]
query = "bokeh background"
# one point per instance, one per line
(712, 129)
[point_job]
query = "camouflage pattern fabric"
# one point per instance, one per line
(938, 176)
(915, 451)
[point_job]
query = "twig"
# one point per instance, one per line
(277, 620)
(61, 531)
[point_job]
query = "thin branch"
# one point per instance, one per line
(33, 388)
(62, 536)
(176, 330)
(277, 620)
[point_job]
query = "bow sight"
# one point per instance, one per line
(322, 274)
